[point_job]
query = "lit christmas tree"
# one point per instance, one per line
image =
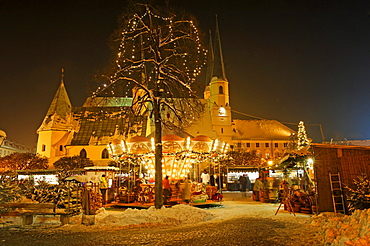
(302, 136)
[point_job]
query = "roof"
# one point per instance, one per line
(138, 139)
(59, 112)
(261, 129)
(202, 138)
(103, 124)
(172, 137)
(333, 146)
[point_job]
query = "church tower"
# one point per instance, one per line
(217, 92)
(56, 128)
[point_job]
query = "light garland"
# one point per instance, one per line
(177, 165)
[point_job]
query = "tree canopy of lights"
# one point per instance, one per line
(302, 136)
(160, 54)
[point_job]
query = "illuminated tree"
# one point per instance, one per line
(159, 57)
(23, 161)
(74, 162)
(243, 158)
(68, 164)
(302, 136)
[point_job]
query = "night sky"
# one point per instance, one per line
(285, 60)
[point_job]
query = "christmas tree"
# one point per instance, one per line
(302, 136)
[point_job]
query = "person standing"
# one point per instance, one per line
(186, 192)
(243, 184)
(103, 188)
(166, 190)
(205, 177)
(248, 186)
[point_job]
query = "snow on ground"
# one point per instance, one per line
(333, 230)
(233, 206)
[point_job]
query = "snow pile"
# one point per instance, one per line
(179, 214)
(345, 230)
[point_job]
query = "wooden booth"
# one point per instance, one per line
(336, 166)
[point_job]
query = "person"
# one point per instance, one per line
(166, 189)
(212, 180)
(205, 177)
(243, 184)
(248, 186)
(103, 188)
(219, 181)
(186, 192)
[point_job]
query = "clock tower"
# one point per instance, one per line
(217, 92)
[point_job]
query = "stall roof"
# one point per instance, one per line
(103, 168)
(243, 168)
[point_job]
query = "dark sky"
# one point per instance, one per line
(285, 60)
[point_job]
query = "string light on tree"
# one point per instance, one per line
(302, 136)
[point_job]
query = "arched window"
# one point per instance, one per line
(83, 153)
(221, 90)
(105, 154)
(60, 147)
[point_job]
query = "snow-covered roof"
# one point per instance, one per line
(261, 129)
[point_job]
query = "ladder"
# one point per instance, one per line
(337, 193)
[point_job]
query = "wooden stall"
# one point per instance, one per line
(347, 161)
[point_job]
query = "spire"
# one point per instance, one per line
(60, 109)
(218, 68)
(210, 60)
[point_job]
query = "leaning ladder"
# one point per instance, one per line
(337, 193)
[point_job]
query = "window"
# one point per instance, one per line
(267, 155)
(83, 153)
(248, 145)
(267, 145)
(239, 145)
(222, 130)
(43, 147)
(257, 145)
(60, 147)
(221, 90)
(285, 145)
(104, 154)
(276, 145)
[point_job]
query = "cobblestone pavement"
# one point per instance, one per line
(239, 231)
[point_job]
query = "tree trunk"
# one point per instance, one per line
(158, 201)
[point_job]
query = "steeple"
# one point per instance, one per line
(217, 64)
(59, 112)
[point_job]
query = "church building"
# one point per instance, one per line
(86, 131)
